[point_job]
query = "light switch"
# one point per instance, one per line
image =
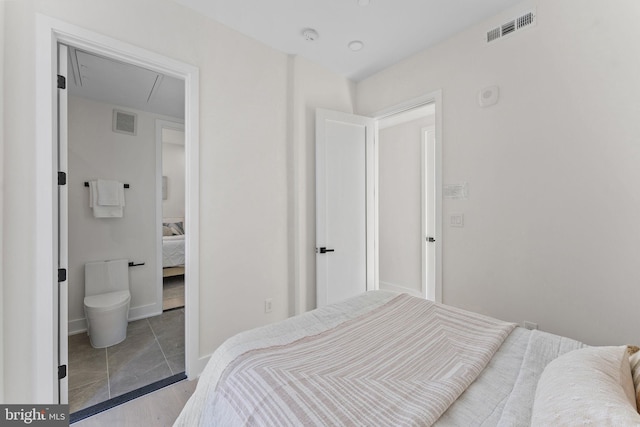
(456, 220)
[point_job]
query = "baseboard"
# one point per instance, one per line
(398, 288)
(144, 311)
(77, 326)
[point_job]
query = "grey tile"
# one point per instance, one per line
(138, 375)
(132, 351)
(88, 394)
(137, 361)
(176, 362)
(169, 330)
(80, 348)
(86, 364)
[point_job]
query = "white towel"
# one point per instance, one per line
(109, 192)
(105, 211)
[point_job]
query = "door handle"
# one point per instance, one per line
(430, 239)
(324, 250)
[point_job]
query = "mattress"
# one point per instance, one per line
(173, 251)
(501, 393)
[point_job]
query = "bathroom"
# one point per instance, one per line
(116, 134)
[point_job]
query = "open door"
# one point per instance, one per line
(63, 229)
(345, 209)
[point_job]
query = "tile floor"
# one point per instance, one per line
(153, 350)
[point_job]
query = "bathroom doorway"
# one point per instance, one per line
(171, 182)
(113, 109)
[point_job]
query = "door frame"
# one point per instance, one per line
(432, 289)
(159, 125)
(50, 32)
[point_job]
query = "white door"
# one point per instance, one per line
(63, 232)
(344, 205)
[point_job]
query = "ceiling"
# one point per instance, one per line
(391, 30)
(113, 82)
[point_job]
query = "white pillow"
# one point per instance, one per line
(589, 386)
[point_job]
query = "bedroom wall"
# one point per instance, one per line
(551, 228)
(173, 169)
(243, 173)
(95, 151)
(400, 205)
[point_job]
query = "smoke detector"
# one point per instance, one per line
(310, 34)
(355, 45)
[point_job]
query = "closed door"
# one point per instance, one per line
(344, 205)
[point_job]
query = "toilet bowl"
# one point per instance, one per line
(106, 302)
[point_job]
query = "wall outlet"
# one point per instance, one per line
(268, 305)
(529, 325)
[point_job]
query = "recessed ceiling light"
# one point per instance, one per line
(355, 45)
(363, 2)
(310, 34)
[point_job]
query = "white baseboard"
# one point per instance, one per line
(399, 288)
(77, 326)
(196, 370)
(144, 311)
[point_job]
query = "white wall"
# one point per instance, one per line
(243, 190)
(250, 96)
(400, 205)
(551, 229)
(173, 169)
(95, 151)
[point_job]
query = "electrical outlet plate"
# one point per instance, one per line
(529, 325)
(268, 305)
(456, 220)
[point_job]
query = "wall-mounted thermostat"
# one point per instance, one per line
(488, 96)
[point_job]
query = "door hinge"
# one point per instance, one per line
(62, 82)
(62, 178)
(62, 371)
(62, 274)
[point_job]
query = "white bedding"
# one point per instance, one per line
(502, 394)
(173, 251)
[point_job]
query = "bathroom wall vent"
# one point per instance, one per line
(525, 20)
(124, 122)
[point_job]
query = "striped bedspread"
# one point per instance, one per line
(403, 363)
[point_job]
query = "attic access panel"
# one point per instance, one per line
(118, 83)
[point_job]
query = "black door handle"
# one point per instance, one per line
(324, 250)
(430, 239)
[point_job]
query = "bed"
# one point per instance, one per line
(391, 359)
(173, 249)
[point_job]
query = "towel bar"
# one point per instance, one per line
(86, 184)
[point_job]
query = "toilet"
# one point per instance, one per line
(106, 301)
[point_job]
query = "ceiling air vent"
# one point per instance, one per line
(124, 122)
(526, 20)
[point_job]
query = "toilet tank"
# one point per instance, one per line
(106, 276)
